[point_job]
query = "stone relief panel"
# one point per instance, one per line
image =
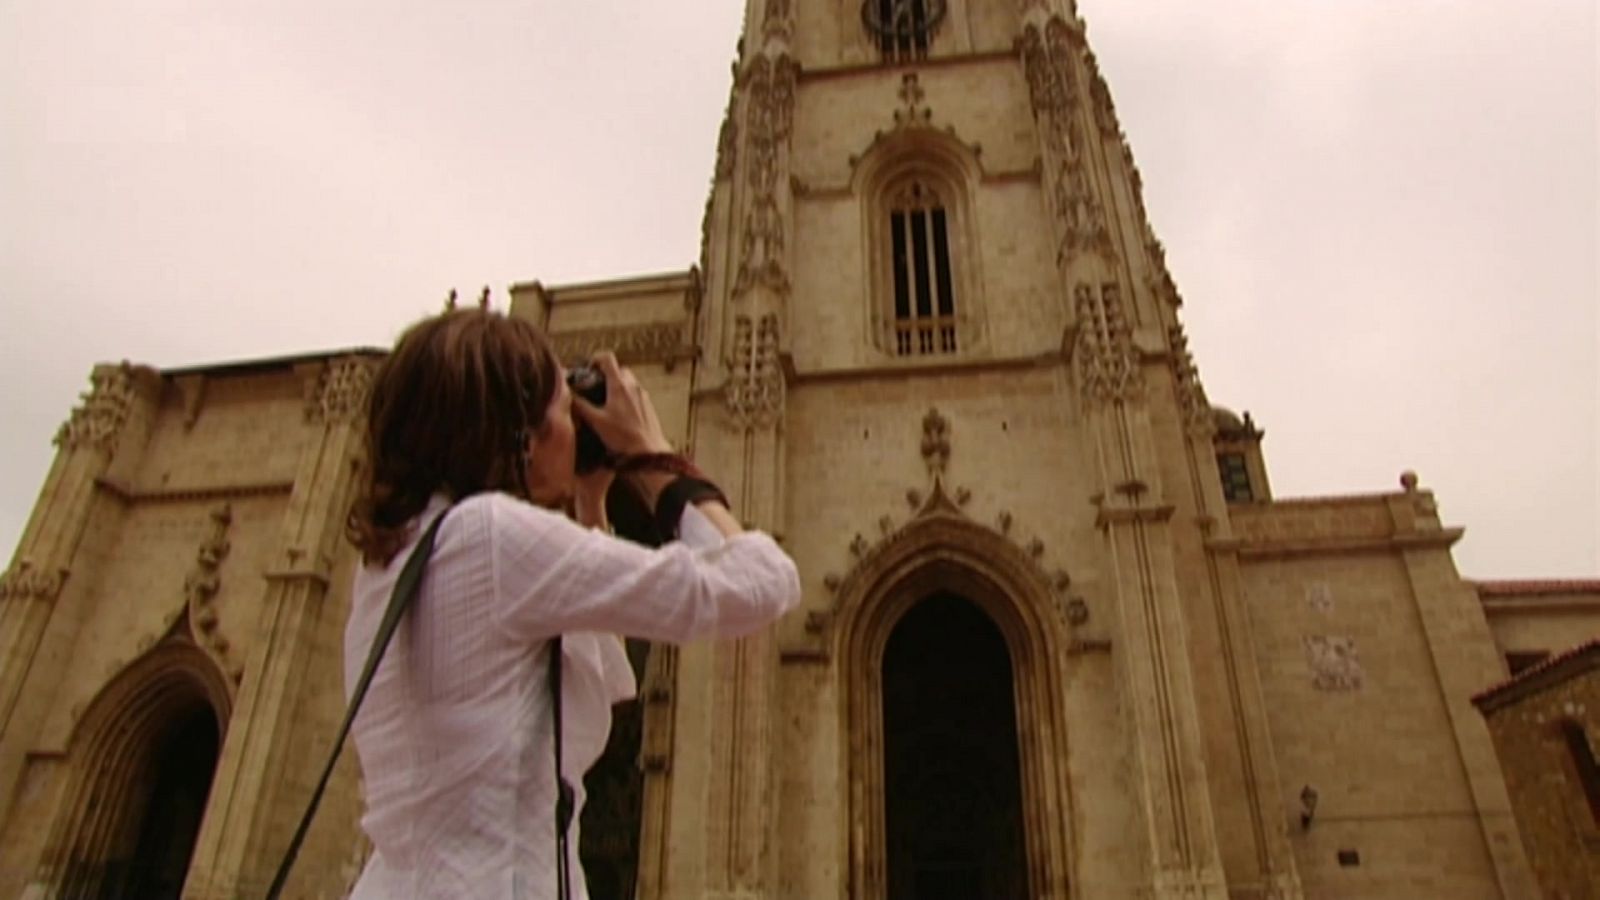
(1335, 664)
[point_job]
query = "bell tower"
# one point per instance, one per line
(925, 231)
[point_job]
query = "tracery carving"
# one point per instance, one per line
(1197, 416)
(1108, 363)
(769, 86)
(200, 588)
(341, 390)
(23, 582)
(658, 342)
(1049, 61)
(97, 421)
(755, 388)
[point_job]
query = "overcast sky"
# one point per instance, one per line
(1382, 213)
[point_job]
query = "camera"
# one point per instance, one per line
(587, 381)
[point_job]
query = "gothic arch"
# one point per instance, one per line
(112, 751)
(918, 156)
(945, 551)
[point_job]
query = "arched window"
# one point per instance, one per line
(919, 253)
(902, 29)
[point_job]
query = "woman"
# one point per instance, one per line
(471, 418)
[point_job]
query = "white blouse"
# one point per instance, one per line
(455, 733)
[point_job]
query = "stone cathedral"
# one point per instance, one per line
(1058, 639)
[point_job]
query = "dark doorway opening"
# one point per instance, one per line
(608, 843)
(953, 789)
(174, 789)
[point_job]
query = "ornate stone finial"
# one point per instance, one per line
(911, 95)
(1004, 521)
(1408, 481)
(935, 443)
(97, 421)
(341, 390)
(23, 582)
(483, 298)
(450, 301)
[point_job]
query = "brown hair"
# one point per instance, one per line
(451, 412)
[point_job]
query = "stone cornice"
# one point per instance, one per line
(131, 495)
(1332, 544)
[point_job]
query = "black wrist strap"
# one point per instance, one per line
(679, 493)
(405, 590)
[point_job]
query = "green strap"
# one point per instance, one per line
(405, 589)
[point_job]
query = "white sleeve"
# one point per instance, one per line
(551, 576)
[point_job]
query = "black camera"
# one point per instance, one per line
(587, 381)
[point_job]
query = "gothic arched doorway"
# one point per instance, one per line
(953, 790)
(162, 833)
(140, 776)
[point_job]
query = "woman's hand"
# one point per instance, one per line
(627, 423)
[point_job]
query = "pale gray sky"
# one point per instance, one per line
(1382, 213)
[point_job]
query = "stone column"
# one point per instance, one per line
(725, 809)
(272, 751)
(41, 604)
(1134, 513)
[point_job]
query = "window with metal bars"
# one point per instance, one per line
(902, 29)
(924, 291)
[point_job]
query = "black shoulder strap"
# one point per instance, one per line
(405, 590)
(566, 798)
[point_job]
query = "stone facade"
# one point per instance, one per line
(932, 345)
(1544, 722)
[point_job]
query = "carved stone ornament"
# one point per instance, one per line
(727, 146)
(1107, 361)
(936, 503)
(769, 86)
(23, 582)
(657, 342)
(97, 421)
(341, 390)
(912, 111)
(775, 20)
(755, 389)
(1197, 416)
(1335, 666)
(1050, 60)
(200, 589)
(935, 443)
